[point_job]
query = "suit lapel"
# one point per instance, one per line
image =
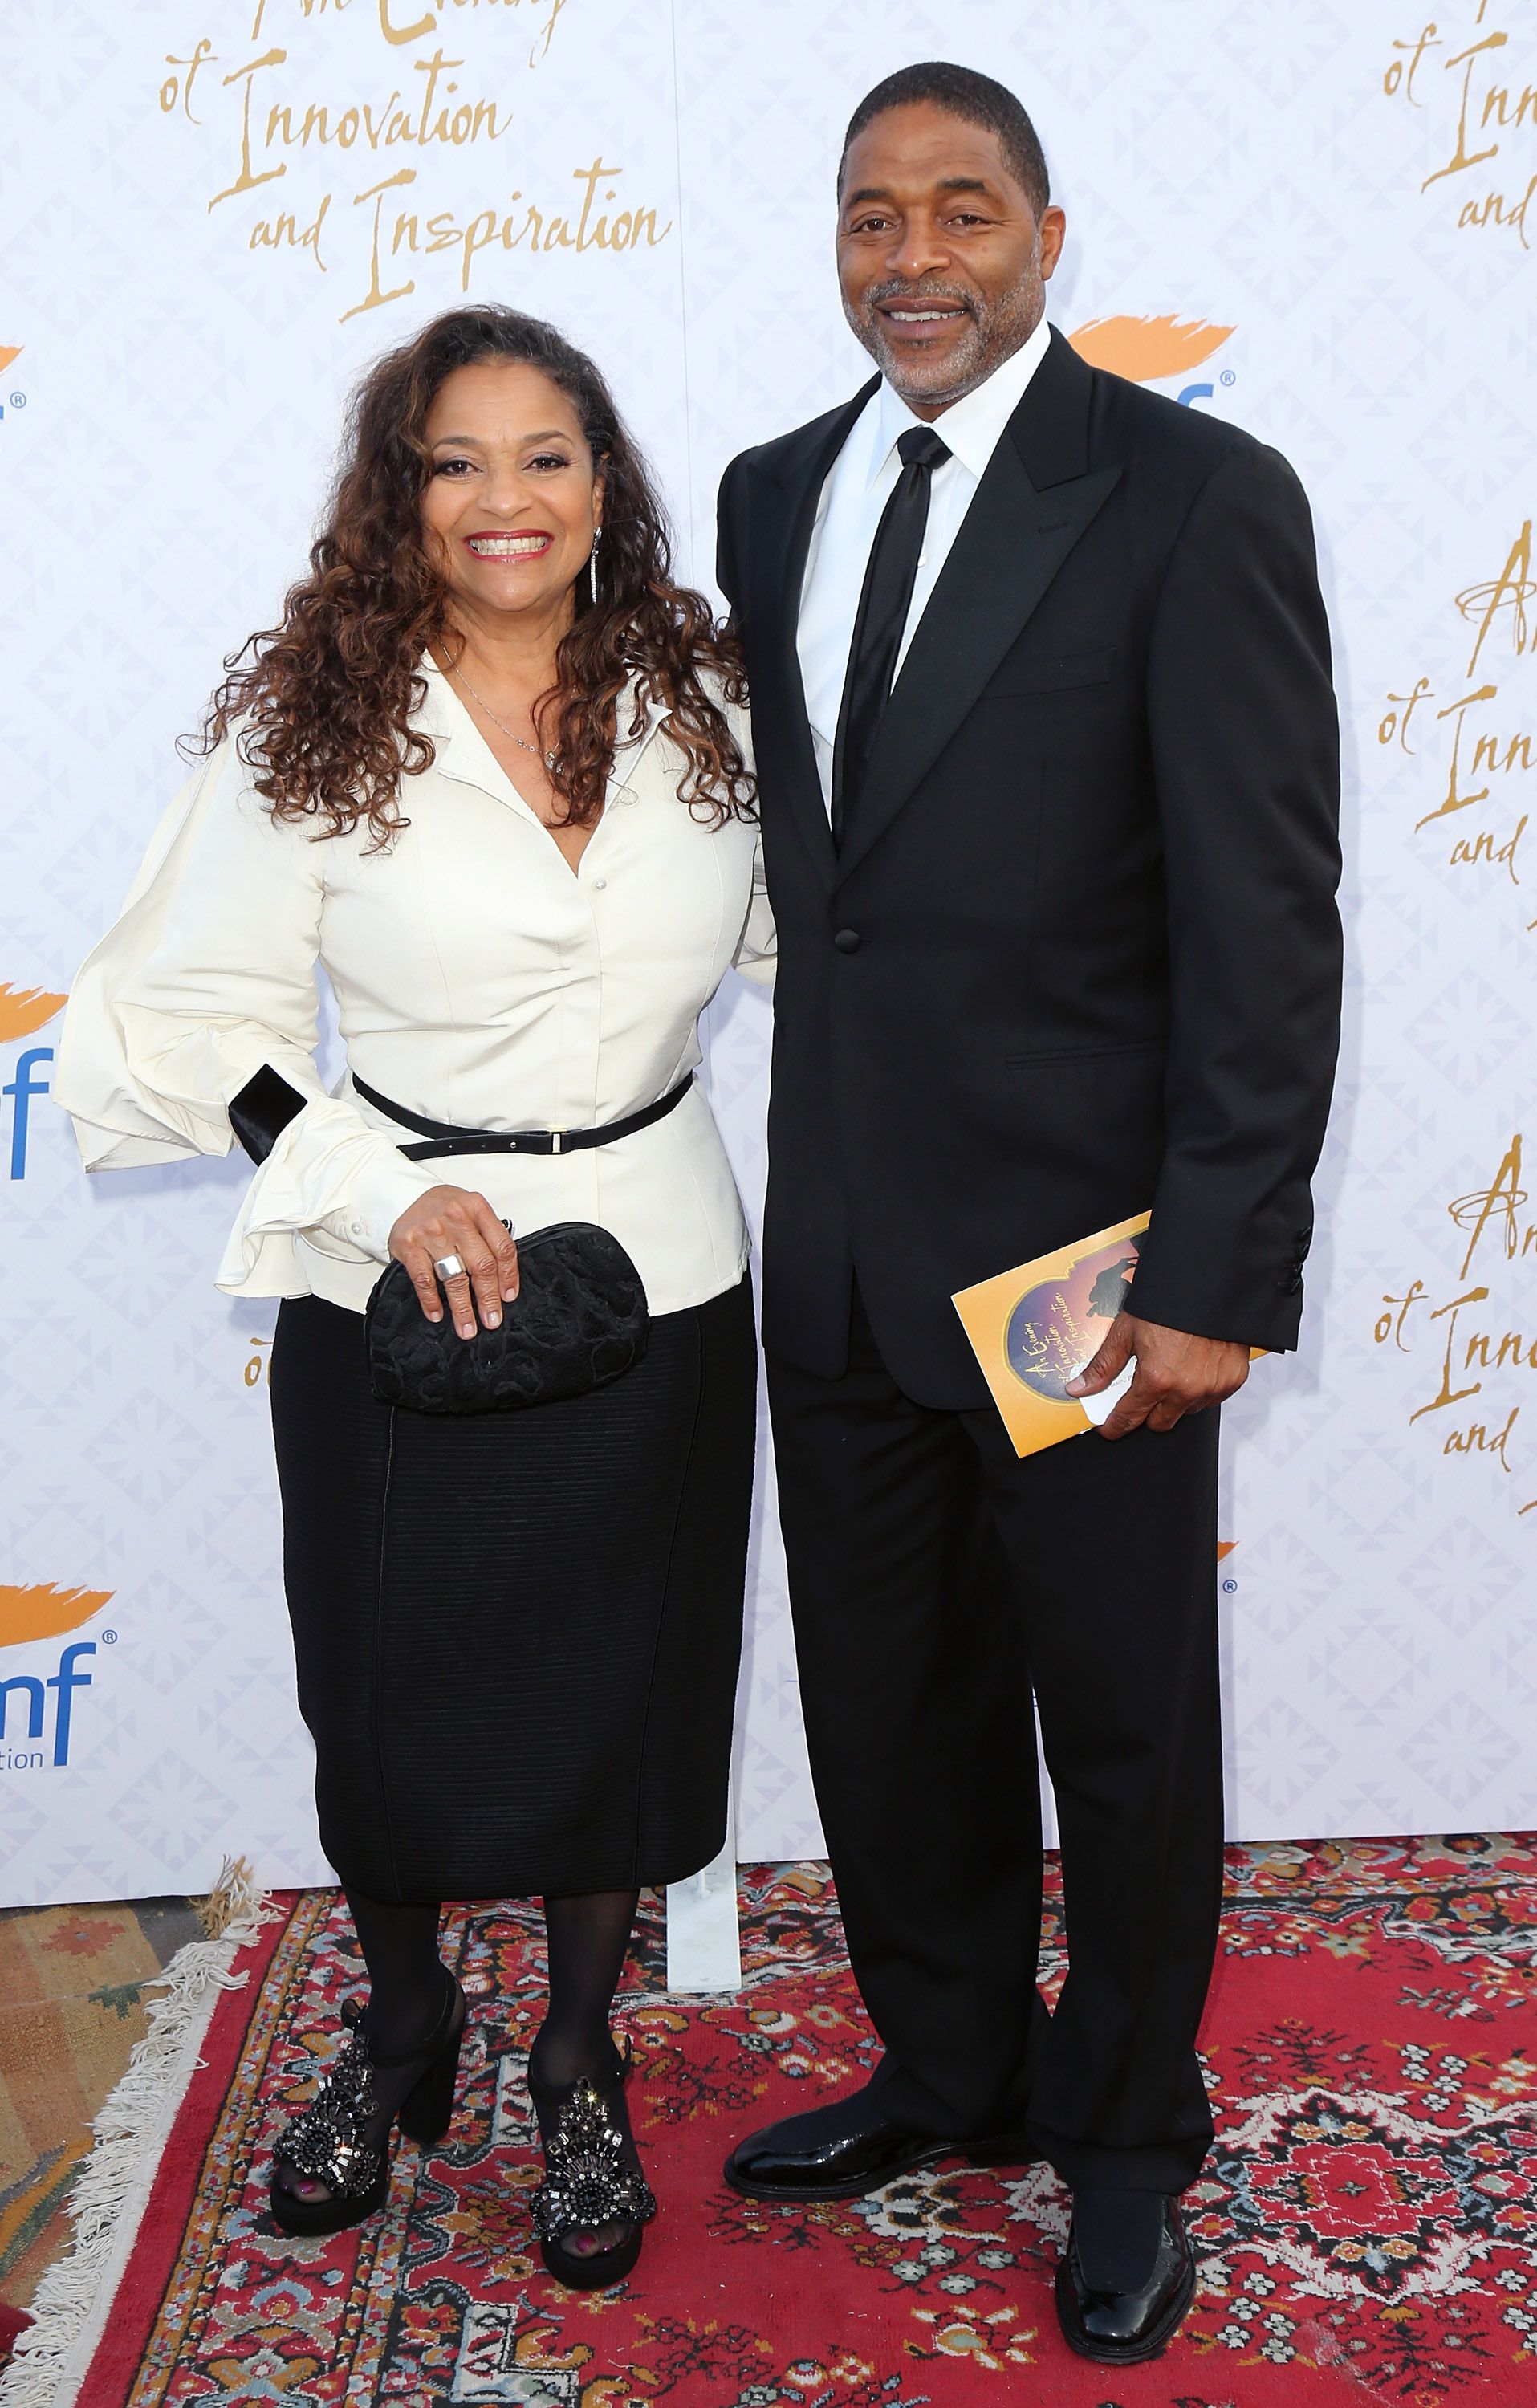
(1035, 500)
(782, 731)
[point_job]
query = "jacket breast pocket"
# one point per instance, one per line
(1053, 675)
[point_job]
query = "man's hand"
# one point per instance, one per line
(1176, 1374)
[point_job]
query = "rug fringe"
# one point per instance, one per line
(112, 2191)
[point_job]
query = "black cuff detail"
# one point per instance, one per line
(261, 1110)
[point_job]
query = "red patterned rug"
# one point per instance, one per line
(1367, 2224)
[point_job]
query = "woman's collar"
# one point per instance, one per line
(444, 715)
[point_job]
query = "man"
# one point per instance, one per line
(1048, 760)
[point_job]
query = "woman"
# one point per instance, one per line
(491, 773)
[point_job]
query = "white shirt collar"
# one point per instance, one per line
(972, 425)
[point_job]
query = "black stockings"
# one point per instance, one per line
(587, 1940)
(406, 1974)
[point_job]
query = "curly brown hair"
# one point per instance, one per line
(320, 706)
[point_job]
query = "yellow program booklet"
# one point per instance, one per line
(1034, 1328)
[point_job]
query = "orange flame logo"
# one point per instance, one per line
(1145, 348)
(8, 351)
(42, 1611)
(24, 1009)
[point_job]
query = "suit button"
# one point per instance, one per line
(847, 940)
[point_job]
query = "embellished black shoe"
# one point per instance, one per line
(331, 2140)
(592, 2178)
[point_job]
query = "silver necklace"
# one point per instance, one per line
(547, 758)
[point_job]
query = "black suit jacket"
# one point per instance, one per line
(1080, 954)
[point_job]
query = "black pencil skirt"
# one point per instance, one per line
(518, 1634)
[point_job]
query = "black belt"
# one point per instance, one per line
(444, 1139)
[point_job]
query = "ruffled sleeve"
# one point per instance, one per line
(208, 974)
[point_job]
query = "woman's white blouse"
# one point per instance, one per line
(479, 979)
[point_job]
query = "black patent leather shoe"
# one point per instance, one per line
(849, 2148)
(1121, 2328)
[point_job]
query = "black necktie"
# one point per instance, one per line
(881, 618)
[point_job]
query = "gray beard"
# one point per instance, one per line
(991, 340)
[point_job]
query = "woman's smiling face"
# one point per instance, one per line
(513, 495)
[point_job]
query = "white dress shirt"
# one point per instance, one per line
(479, 979)
(857, 488)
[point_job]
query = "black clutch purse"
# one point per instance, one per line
(579, 1320)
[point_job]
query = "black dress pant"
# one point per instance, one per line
(936, 1582)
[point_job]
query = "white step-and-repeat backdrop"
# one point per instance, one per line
(1318, 221)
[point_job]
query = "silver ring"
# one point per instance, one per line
(449, 1266)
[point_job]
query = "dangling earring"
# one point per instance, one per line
(591, 562)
